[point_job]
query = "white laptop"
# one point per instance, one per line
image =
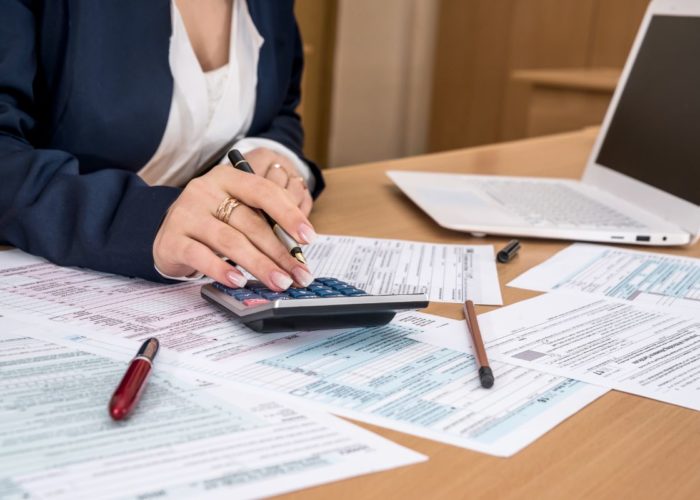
(642, 181)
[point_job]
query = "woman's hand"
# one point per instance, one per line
(280, 170)
(191, 238)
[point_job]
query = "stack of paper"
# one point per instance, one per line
(67, 334)
(387, 375)
(618, 318)
(185, 439)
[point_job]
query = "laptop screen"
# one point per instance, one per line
(654, 135)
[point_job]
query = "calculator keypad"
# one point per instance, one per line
(256, 293)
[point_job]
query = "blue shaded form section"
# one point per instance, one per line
(634, 274)
(660, 277)
(497, 428)
(385, 373)
(348, 357)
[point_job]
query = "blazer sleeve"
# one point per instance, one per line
(286, 127)
(105, 220)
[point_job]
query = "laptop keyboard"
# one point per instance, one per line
(545, 204)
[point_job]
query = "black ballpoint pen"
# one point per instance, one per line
(240, 163)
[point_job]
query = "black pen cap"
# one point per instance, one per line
(509, 251)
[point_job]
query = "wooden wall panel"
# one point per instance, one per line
(550, 33)
(616, 24)
(545, 34)
(480, 43)
(470, 71)
(317, 24)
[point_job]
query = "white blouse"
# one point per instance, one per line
(209, 109)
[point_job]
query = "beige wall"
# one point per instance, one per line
(382, 77)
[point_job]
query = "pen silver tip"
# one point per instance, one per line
(299, 256)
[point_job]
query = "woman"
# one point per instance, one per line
(107, 107)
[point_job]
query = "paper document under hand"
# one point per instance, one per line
(183, 440)
(611, 342)
(445, 273)
(382, 376)
(642, 277)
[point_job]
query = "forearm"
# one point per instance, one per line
(105, 221)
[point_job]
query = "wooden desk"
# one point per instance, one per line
(621, 446)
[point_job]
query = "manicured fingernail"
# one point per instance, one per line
(280, 280)
(236, 279)
(307, 233)
(302, 276)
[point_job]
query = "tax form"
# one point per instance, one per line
(389, 377)
(445, 273)
(383, 376)
(130, 308)
(642, 277)
(631, 347)
(185, 438)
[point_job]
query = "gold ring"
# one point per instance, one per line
(277, 166)
(226, 208)
(303, 182)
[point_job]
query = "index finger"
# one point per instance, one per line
(264, 194)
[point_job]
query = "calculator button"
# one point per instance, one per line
(228, 290)
(256, 293)
(255, 283)
(244, 295)
(255, 302)
(314, 288)
(333, 283)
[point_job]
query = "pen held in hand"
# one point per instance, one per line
(240, 163)
(485, 372)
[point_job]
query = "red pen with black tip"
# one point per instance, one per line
(134, 381)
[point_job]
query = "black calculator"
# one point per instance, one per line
(326, 303)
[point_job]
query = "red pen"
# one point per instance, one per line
(130, 388)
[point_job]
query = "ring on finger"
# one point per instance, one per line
(226, 208)
(301, 179)
(277, 166)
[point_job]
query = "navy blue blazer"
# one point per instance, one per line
(85, 94)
